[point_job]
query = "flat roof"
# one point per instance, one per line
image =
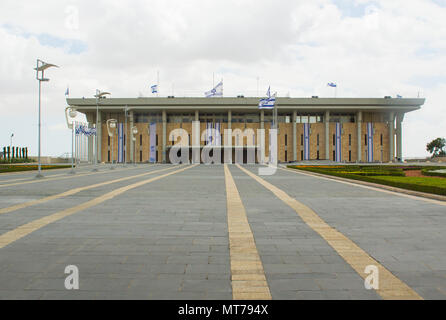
(248, 104)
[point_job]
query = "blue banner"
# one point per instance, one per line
(338, 142)
(120, 142)
(152, 146)
(306, 141)
(370, 142)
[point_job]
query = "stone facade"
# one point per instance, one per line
(242, 115)
(285, 140)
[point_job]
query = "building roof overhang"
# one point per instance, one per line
(248, 104)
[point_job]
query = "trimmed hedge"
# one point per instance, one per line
(432, 173)
(393, 181)
(16, 160)
(6, 168)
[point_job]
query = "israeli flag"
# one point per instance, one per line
(268, 103)
(307, 141)
(154, 88)
(370, 133)
(215, 92)
(331, 84)
(398, 96)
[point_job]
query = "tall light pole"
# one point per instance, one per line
(10, 148)
(41, 66)
(111, 128)
(72, 113)
(134, 133)
(99, 95)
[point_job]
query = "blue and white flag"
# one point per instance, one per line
(215, 92)
(370, 142)
(306, 141)
(152, 146)
(332, 84)
(268, 103)
(398, 96)
(83, 129)
(208, 133)
(67, 93)
(338, 142)
(154, 88)
(217, 134)
(121, 142)
(268, 93)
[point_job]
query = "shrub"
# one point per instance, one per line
(428, 185)
(432, 173)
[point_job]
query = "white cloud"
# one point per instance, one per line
(371, 48)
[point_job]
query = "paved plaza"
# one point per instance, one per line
(214, 232)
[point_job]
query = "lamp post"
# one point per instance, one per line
(41, 66)
(111, 128)
(134, 133)
(10, 147)
(99, 95)
(72, 113)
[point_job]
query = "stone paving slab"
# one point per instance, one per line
(290, 274)
(169, 239)
(399, 232)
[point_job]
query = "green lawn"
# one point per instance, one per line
(387, 175)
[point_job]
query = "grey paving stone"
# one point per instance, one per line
(294, 284)
(146, 238)
(207, 285)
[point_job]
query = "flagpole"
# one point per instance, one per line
(157, 83)
(257, 86)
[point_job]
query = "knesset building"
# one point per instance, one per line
(338, 129)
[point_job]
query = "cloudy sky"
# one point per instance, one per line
(370, 48)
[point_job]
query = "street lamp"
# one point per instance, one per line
(134, 132)
(72, 113)
(10, 148)
(41, 66)
(99, 95)
(111, 128)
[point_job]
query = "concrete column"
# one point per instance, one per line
(164, 118)
(327, 134)
(99, 133)
(261, 139)
(399, 135)
(196, 138)
(294, 136)
(262, 119)
(131, 138)
(229, 119)
(359, 134)
(391, 136)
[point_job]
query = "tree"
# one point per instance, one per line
(436, 147)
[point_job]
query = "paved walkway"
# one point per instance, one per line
(214, 232)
